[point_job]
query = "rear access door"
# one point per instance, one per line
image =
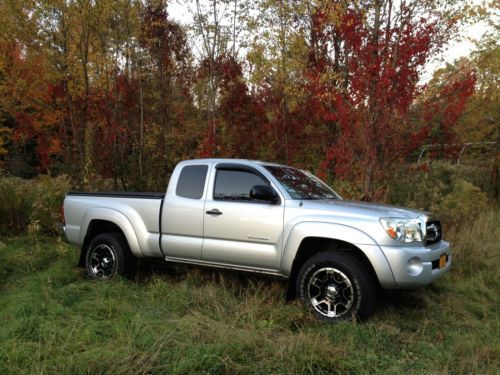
(182, 214)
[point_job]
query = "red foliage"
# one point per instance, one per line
(239, 115)
(371, 103)
(38, 116)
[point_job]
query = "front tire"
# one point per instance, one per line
(335, 286)
(109, 255)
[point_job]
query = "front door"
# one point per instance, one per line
(238, 230)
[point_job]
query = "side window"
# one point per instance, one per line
(235, 184)
(191, 181)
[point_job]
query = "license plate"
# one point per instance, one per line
(442, 261)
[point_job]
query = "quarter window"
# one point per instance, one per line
(191, 181)
(235, 184)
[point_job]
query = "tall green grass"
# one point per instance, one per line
(181, 320)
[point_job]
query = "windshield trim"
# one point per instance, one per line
(269, 169)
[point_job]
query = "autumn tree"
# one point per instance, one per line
(165, 89)
(479, 122)
(117, 90)
(218, 30)
(277, 59)
(366, 73)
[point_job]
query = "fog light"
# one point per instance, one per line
(414, 267)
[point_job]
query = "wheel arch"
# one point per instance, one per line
(100, 221)
(310, 246)
(310, 238)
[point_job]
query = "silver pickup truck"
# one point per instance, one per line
(266, 218)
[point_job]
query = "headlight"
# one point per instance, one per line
(404, 230)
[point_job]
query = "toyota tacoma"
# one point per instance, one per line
(266, 218)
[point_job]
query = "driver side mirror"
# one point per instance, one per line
(264, 193)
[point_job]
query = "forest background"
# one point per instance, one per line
(118, 91)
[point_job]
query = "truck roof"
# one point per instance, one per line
(226, 160)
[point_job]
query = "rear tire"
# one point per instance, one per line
(109, 255)
(335, 286)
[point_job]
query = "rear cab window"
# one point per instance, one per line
(191, 181)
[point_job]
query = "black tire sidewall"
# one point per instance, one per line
(116, 245)
(363, 287)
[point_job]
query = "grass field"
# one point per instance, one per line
(180, 320)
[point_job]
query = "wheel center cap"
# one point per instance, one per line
(331, 291)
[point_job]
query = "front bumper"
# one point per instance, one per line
(413, 267)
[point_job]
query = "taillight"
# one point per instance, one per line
(61, 211)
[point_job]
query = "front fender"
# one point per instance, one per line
(117, 218)
(340, 232)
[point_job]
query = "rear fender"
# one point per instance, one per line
(117, 218)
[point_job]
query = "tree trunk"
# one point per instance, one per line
(141, 127)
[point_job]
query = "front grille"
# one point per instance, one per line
(434, 232)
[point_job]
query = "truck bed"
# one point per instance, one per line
(120, 194)
(141, 209)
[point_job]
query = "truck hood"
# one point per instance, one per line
(360, 209)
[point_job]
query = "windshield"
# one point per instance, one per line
(301, 184)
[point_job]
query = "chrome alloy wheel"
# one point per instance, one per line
(102, 262)
(330, 292)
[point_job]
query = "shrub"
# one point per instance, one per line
(442, 188)
(49, 196)
(31, 205)
(347, 190)
(16, 199)
(464, 201)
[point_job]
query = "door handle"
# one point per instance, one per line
(214, 212)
